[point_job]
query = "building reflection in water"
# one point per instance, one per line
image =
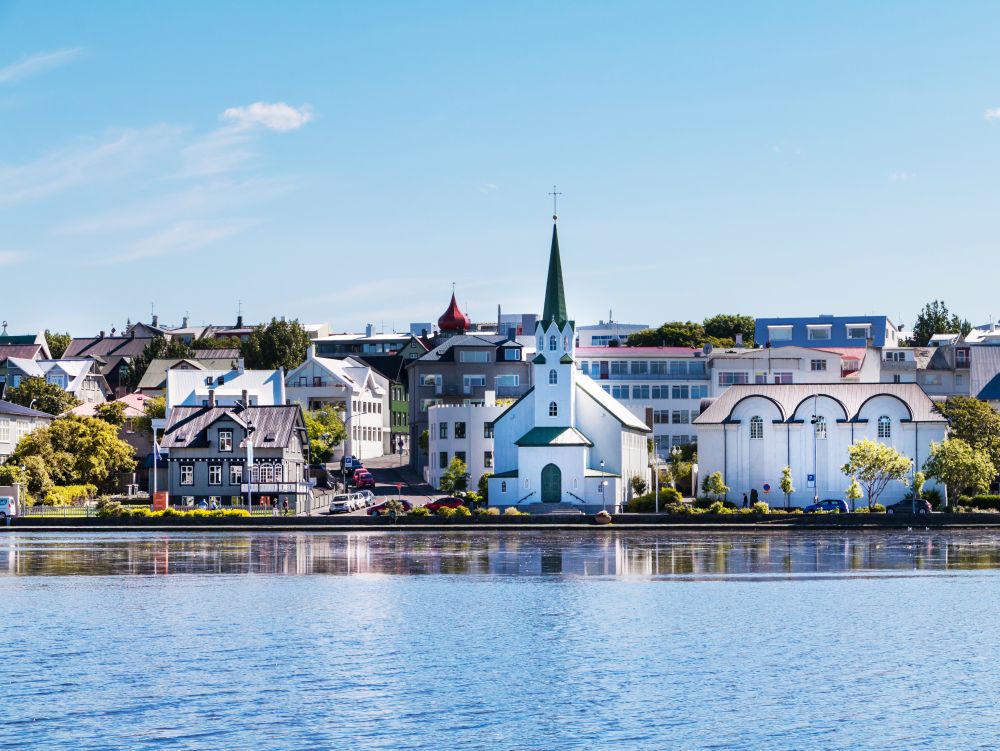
(585, 553)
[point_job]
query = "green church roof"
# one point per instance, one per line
(553, 437)
(566, 360)
(539, 359)
(555, 296)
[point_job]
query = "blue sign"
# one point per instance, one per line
(811, 478)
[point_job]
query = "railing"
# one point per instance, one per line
(899, 365)
(64, 512)
(509, 391)
(525, 498)
(275, 487)
(652, 377)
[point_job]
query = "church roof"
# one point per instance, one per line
(453, 319)
(618, 410)
(555, 296)
(553, 437)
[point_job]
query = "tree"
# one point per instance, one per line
(279, 344)
(638, 485)
(786, 483)
(156, 409)
(77, 450)
(674, 334)
(326, 430)
(111, 412)
(713, 485)
(726, 326)
(960, 467)
(484, 487)
(38, 393)
(854, 492)
(58, 343)
(935, 318)
(159, 347)
(974, 422)
(875, 465)
(919, 479)
(215, 342)
(424, 440)
(455, 479)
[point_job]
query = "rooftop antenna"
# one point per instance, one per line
(239, 307)
(555, 197)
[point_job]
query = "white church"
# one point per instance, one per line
(566, 441)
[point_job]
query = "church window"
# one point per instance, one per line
(541, 343)
(553, 342)
(553, 409)
(553, 377)
(821, 427)
(884, 427)
(566, 343)
(756, 428)
(503, 486)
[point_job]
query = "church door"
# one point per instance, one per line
(551, 484)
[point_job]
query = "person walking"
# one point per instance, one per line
(284, 506)
(745, 504)
(753, 496)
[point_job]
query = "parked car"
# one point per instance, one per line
(8, 506)
(450, 502)
(365, 498)
(381, 510)
(909, 506)
(342, 503)
(364, 480)
(829, 505)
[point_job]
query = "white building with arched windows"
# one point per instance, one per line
(566, 441)
(751, 432)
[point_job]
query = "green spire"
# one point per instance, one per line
(555, 296)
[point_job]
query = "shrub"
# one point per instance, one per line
(445, 512)
(511, 511)
(718, 507)
(982, 502)
(231, 512)
(107, 508)
(66, 495)
(878, 508)
(462, 511)
(861, 510)
(761, 508)
(934, 497)
(420, 511)
(490, 511)
(706, 503)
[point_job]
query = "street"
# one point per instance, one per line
(387, 473)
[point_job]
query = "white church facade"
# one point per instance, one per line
(566, 441)
(752, 432)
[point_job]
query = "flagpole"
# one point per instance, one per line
(156, 452)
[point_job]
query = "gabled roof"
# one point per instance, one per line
(984, 365)
(16, 410)
(25, 351)
(107, 346)
(134, 406)
(617, 410)
(553, 437)
(155, 376)
(280, 422)
(444, 352)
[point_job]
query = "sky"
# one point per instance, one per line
(347, 162)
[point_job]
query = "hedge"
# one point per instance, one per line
(66, 495)
(985, 502)
(644, 504)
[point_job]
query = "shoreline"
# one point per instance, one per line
(661, 522)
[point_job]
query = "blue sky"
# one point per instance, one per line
(346, 162)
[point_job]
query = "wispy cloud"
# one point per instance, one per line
(88, 161)
(487, 187)
(901, 176)
(10, 257)
(40, 62)
(277, 116)
(993, 113)
(182, 237)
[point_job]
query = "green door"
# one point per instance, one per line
(551, 484)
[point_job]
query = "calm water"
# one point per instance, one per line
(593, 640)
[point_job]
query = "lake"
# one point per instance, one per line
(585, 639)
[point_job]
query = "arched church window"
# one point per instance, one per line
(541, 343)
(553, 342)
(884, 427)
(503, 486)
(566, 343)
(756, 428)
(820, 428)
(553, 377)
(553, 409)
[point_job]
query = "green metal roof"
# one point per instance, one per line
(598, 473)
(555, 295)
(566, 360)
(553, 437)
(539, 359)
(506, 475)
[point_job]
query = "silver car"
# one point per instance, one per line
(343, 503)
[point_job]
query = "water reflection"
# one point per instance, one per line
(607, 554)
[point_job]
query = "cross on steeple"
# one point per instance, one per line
(555, 197)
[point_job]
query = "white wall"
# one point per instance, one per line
(474, 445)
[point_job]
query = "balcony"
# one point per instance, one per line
(276, 487)
(652, 377)
(508, 392)
(899, 366)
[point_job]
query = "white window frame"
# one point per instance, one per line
(187, 469)
(216, 471)
(884, 426)
(226, 440)
(756, 428)
(779, 333)
(813, 329)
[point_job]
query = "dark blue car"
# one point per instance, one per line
(827, 506)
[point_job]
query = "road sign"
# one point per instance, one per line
(811, 481)
(767, 487)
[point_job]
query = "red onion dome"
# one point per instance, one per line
(454, 319)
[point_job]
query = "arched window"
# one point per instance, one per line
(820, 427)
(884, 427)
(541, 343)
(566, 343)
(553, 377)
(553, 409)
(503, 486)
(756, 427)
(553, 342)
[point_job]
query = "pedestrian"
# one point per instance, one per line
(745, 504)
(753, 496)
(284, 506)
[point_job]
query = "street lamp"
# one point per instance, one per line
(815, 424)
(604, 500)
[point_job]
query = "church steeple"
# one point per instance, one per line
(555, 295)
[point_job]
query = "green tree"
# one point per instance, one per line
(854, 493)
(111, 412)
(38, 393)
(159, 347)
(455, 479)
(675, 334)
(58, 343)
(77, 450)
(725, 327)
(974, 422)
(919, 479)
(424, 440)
(935, 318)
(326, 430)
(215, 342)
(279, 344)
(713, 485)
(37, 476)
(960, 467)
(786, 483)
(875, 465)
(155, 408)
(484, 487)
(638, 484)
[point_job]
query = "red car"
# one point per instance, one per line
(381, 510)
(450, 502)
(364, 480)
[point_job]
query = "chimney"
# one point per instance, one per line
(241, 365)
(368, 329)
(739, 340)
(245, 398)
(211, 398)
(311, 352)
(101, 336)
(239, 321)
(156, 321)
(184, 322)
